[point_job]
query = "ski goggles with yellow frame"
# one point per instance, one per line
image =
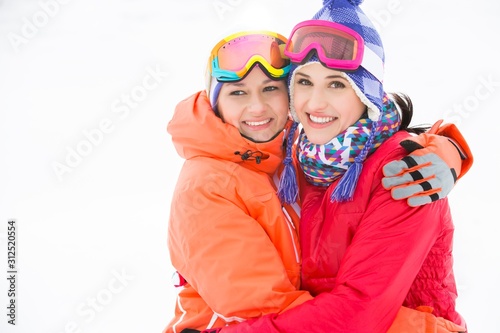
(234, 56)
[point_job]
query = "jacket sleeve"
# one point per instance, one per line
(224, 253)
(376, 272)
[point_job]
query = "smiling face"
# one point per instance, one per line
(325, 102)
(257, 106)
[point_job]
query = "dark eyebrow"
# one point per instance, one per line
(237, 84)
(335, 76)
(241, 84)
(302, 74)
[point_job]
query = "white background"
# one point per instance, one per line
(66, 69)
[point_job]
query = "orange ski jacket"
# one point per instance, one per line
(228, 235)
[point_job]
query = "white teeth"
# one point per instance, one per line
(320, 120)
(257, 123)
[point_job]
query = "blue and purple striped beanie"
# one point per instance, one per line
(367, 80)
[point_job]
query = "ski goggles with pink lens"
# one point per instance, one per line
(233, 57)
(337, 46)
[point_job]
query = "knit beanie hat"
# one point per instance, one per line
(213, 89)
(366, 80)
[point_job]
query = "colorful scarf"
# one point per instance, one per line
(323, 164)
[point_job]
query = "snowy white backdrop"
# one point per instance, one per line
(87, 168)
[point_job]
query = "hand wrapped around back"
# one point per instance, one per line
(437, 159)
